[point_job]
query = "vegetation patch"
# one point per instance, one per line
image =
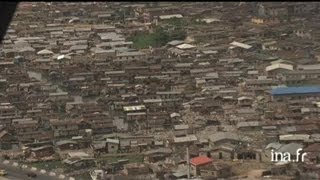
(161, 36)
(47, 165)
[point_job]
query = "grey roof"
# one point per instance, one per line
(41, 148)
(253, 72)
(30, 38)
(248, 124)
(58, 94)
(79, 47)
(309, 71)
(231, 60)
(209, 52)
(176, 50)
(114, 43)
(25, 121)
(245, 111)
(43, 60)
(273, 145)
(290, 148)
(121, 49)
(227, 147)
(294, 137)
(111, 36)
(181, 127)
(223, 135)
(175, 42)
(315, 136)
(288, 129)
(309, 67)
(59, 143)
(168, 92)
(212, 75)
(77, 159)
(114, 72)
(152, 100)
(202, 70)
(75, 42)
(26, 48)
(183, 65)
(105, 27)
(260, 81)
(83, 29)
(180, 173)
(131, 53)
(100, 50)
(187, 138)
(99, 144)
(158, 151)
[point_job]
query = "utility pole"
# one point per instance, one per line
(188, 162)
(124, 15)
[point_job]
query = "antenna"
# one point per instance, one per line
(188, 162)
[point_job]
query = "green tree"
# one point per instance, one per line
(160, 37)
(178, 34)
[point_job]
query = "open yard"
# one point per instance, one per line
(47, 165)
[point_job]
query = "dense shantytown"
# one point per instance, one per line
(161, 91)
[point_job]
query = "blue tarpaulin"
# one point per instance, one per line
(282, 91)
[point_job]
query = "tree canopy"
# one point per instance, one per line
(158, 38)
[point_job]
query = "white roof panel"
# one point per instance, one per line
(185, 46)
(242, 45)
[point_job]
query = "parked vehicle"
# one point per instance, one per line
(3, 172)
(31, 174)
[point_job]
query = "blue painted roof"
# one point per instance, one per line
(295, 90)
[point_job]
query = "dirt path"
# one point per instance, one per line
(255, 174)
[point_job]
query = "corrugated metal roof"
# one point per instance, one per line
(309, 67)
(134, 108)
(171, 16)
(295, 90)
(175, 42)
(242, 45)
(115, 141)
(188, 138)
(223, 135)
(290, 148)
(273, 145)
(279, 66)
(44, 52)
(294, 137)
(185, 46)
